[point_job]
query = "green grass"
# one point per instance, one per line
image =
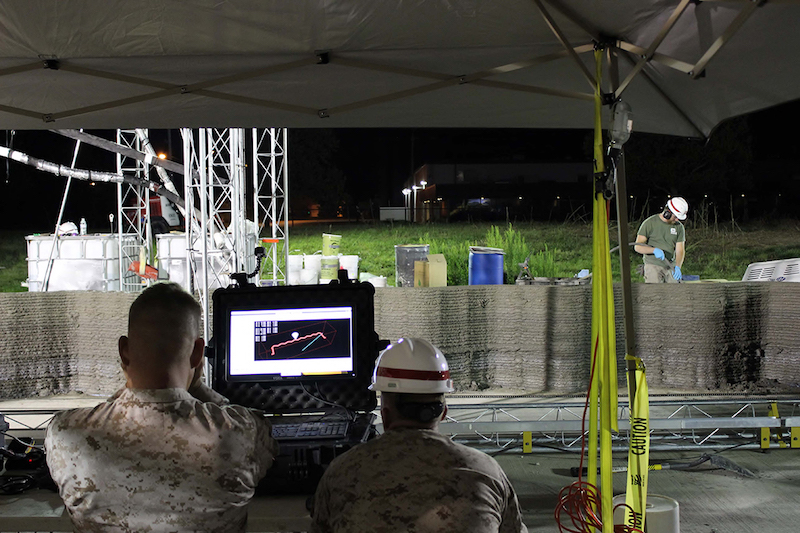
(13, 266)
(556, 250)
(375, 244)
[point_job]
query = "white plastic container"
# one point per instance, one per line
(349, 263)
(377, 281)
(309, 277)
(313, 262)
(662, 514)
(171, 252)
(294, 264)
(80, 262)
(293, 277)
(329, 268)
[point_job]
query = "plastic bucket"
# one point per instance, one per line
(313, 262)
(404, 257)
(662, 514)
(294, 262)
(349, 263)
(485, 266)
(377, 281)
(330, 244)
(309, 277)
(330, 268)
(293, 277)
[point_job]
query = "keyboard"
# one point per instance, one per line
(310, 430)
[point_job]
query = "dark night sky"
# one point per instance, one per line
(376, 162)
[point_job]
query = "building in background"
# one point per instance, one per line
(497, 191)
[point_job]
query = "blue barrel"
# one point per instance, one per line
(485, 266)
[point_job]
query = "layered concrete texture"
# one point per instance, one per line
(692, 337)
(59, 342)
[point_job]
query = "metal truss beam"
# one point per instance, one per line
(687, 424)
(221, 240)
(675, 424)
(210, 248)
(271, 199)
(134, 235)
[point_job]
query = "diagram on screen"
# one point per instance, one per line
(301, 339)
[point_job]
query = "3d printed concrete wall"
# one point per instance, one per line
(692, 337)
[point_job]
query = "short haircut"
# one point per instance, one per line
(165, 298)
(169, 310)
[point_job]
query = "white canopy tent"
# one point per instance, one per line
(684, 66)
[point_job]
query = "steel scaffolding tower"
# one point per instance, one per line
(133, 214)
(271, 199)
(215, 192)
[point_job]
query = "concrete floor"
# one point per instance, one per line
(711, 500)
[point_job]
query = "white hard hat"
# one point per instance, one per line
(67, 228)
(412, 366)
(679, 207)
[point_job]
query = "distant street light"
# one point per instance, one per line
(406, 192)
(414, 208)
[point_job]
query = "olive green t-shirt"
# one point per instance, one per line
(662, 235)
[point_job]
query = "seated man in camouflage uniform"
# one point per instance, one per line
(155, 457)
(412, 478)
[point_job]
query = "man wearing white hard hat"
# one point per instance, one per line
(661, 240)
(412, 478)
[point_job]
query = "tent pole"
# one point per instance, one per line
(668, 100)
(652, 48)
(565, 43)
(726, 36)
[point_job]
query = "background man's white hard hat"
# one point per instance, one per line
(679, 207)
(412, 366)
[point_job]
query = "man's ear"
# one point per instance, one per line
(196, 359)
(123, 352)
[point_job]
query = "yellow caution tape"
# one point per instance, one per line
(639, 446)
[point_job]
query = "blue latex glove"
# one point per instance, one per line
(676, 272)
(659, 253)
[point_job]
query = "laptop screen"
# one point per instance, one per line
(294, 343)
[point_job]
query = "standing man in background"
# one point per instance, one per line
(661, 240)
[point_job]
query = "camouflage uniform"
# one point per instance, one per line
(418, 481)
(158, 460)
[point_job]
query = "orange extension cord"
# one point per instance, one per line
(578, 509)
